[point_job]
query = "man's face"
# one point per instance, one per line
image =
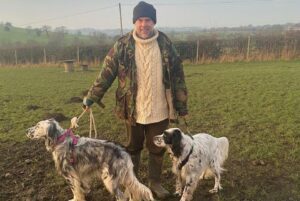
(144, 27)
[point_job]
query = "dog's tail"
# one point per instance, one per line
(137, 190)
(223, 149)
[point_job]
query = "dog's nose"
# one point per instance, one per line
(157, 139)
(29, 132)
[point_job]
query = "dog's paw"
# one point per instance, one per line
(214, 190)
(177, 194)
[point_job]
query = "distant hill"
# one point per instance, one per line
(14, 36)
(249, 28)
(186, 33)
(92, 31)
(10, 35)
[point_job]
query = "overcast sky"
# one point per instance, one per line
(102, 14)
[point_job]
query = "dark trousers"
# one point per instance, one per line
(137, 134)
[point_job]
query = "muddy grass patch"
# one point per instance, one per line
(57, 116)
(28, 173)
(74, 100)
(32, 107)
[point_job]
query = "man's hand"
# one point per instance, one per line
(87, 103)
(186, 116)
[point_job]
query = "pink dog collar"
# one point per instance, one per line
(68, 134)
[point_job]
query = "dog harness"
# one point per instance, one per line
(180, 166)
(69, 135)
(72, 140)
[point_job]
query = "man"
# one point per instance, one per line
(151, 88)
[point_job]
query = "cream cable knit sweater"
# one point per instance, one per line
(151, 104)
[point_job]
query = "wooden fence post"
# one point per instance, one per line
(45, 56)
(248, 48)
(31, 59)
(16, 57)
(78, 55)
(120, 11)
(295, 48)
(197, 54)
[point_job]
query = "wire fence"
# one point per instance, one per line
(251, 48)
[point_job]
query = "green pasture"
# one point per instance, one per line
(256, 105)
(30, 37)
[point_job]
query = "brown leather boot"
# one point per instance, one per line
(155, 169)
(158, 190)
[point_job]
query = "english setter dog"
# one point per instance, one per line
(193, 157)
(80, 159)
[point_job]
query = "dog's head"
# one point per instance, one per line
(48, 130)
(171, 138)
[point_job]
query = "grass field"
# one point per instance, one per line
(255, 105)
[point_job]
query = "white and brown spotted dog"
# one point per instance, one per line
(193, 156)
(80, 159)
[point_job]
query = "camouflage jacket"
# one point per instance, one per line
(120, 62)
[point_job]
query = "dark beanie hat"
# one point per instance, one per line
(143, 9)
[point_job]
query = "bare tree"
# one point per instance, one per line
(46, 29)
(7, 26)
(38, 31)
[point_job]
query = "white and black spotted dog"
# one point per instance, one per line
(193, 157)
(80, 159)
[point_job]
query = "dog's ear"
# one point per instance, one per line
(51, 135)
(52, 130)
(176, 143)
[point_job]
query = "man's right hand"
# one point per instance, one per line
(87, 103)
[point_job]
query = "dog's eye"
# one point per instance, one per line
(164, 136)
(167, 139)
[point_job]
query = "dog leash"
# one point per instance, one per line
(186, 126)
(75, 120)
(92, 123)
(185, 123)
